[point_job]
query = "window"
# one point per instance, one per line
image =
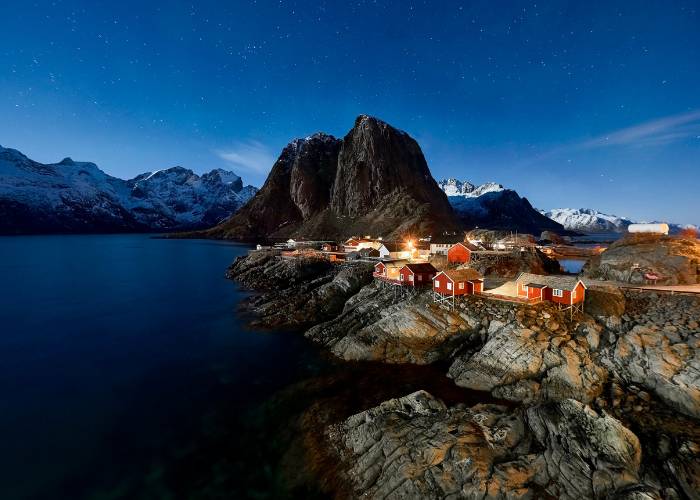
(558, 293)
(401, 277)
(524, 288)
(420, 277)
(410, 277)
(449, 285)
(573, 294)
(437, 283)
(461, 286)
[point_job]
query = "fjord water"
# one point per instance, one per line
(114, 352)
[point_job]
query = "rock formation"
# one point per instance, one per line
(375, 181)
(675, 260)
(417, 447)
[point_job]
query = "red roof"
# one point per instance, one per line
(421, 267)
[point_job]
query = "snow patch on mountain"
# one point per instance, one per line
(588, 220)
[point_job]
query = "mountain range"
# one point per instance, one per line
(587, 220)
(492, 206)
(78, 197)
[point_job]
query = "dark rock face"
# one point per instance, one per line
(375, 180)
(504, 210)
(376, 159)
(297, 188)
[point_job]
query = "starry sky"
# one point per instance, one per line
(573, 104)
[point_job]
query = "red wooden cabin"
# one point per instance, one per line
(459, 253)
(563, 290)
(417, 275)
(389, 270)
(458, 282)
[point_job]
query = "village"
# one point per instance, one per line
(445, 268)
(508, 269)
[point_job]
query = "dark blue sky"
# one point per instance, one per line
(583, 104)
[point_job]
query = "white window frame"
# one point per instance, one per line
(461, 285)
(449, 285)
(557, 292)
(410, 277)
(401, 277)
(437, 283)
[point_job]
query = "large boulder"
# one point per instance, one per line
(587, 455)
(662, 362)
(523, 365)
(674, 259)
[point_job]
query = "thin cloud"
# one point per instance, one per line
(652, 133)
(249, 156)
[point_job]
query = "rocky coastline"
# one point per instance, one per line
(603, 405)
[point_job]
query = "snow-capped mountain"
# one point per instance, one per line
(492, 206)
(587, 220)
(72, 196)
(455, 187)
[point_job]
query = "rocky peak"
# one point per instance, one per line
(375, 160)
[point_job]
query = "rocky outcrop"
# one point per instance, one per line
(297, 294)
(417, 447)
(547, 363)
(675, 260)
(374, 181)
(376, 325)
(656, 344)
(587, 455)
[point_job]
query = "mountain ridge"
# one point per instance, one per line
(78, 197)
(492, 206)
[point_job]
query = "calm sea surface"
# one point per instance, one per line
(116, 354)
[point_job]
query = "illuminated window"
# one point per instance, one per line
(461, 286)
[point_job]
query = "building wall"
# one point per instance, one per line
(458, 254)
(442, 288)
(379, 269)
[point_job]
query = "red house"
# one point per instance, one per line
(458, 282)
(389, 270)
(459, 253)
(417, 275)
(568, 292)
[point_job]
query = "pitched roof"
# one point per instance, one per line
(467, 274)
(558, 282)
(421, 267)
(466, 245)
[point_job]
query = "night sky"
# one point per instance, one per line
(571, 104)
